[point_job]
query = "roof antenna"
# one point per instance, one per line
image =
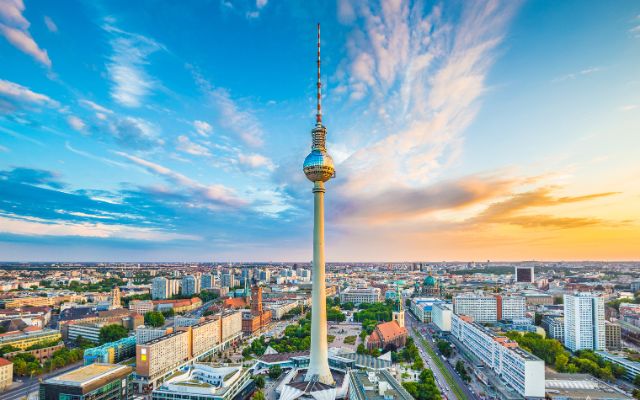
(319, 107)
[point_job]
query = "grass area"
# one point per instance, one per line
(330, 338)
(457, 391)
(350, 340)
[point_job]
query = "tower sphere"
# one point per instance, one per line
(318, 166)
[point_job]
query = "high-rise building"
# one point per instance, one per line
(318, 168)
(554, 326)
(94, 381)
(584, 326)
(228, 280)
(160, 288)
(524, 275)
(207, 281)
(190, 285)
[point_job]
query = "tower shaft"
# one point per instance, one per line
(319, 359)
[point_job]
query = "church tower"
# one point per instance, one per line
(398, 315)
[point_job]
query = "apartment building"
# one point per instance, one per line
(511, 307)
(29, 337)
(480, 307)
(146, 334)
(160, 288)
(190, 285)
(441, 314)
(517, 368)
(584, 326)
(161, 355)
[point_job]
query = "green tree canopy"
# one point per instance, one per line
(111, 333)
(154, 318)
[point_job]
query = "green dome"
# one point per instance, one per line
(429, 281)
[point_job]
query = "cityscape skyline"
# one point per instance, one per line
(462, 131)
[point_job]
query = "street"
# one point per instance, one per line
(443, 384)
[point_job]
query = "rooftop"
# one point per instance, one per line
(91, 376)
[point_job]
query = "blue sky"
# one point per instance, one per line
(153, 130)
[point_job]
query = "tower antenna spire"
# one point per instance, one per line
(319, 86)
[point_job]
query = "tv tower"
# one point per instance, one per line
(318, 167)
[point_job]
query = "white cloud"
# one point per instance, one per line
(203, 128)
(256, 161)
(51, 26)
(261, 3)
(629, 107)
(3, 149)
(15, 28)
(96, 107)
(23, 94)
(187, 146)
(240, 121)
(76, 123)
(41, 227)
(425, 74)
(126, 67)
(216, 193)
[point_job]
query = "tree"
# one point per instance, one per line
(154, 318)
(275, 372)
(444, 347)
(418, 365)
(561, 362)
(636, 380)
(258, 395)
(111, 333)
(169, 312)
(259, 380)
(361, 349)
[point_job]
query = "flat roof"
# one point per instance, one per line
(91, 376)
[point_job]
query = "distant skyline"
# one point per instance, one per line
(176, 131)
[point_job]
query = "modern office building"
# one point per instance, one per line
(613, 336)
(375, 385)
(358, 295)
(112, 352)
(441, 314)
(480, 307)
(6, 373)
(190, 285)
(91, 382)
(206, 382)
(584, 326)
(517, 368)
(524, 275)
(160, 288)
(90, 332)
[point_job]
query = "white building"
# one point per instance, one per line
(357, 295)
(160, 288)
(441, 314)
(422, 307)
(517, 368)
(584, 326)
(482, 308)
(511, 307)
